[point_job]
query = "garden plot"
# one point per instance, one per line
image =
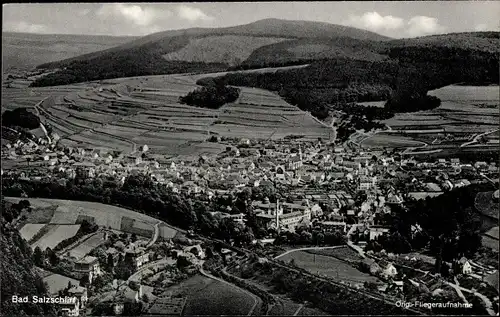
(87, 245)
(55, 236)
(30, 229)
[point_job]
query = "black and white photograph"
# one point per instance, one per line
(276, 158)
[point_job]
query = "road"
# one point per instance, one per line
(476, 138)
(486, 300)
(298, 310)
(135, 276)
(155, 235)
(254, 297)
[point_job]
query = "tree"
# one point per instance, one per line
(38, 257)
(110, 263)
(51, 256)
(133, 237)
(85, 280)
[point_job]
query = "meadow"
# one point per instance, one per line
(329, 266)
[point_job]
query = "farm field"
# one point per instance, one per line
(209, 297)
(465, 111)
(329, 266)
(122, 113)
(30, 229)
(389, 140)
(55, 235)
(71, 212)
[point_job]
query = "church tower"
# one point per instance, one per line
(300, 153)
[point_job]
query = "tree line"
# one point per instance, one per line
(212, 96)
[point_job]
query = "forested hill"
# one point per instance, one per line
(407, 74)
(18, 275)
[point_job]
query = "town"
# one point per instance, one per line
(317, 196)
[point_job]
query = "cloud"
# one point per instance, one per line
(133, 13)
(24, 27)
(193, 14)
(84, 12)
(423, 25)
(481, 27)
(373, 21)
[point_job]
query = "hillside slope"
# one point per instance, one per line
(25, 51)
(18, 273)
(267, 28)
(170, 51)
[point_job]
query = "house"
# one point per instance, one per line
(388, 269)
(367, 183)
(137, 255)
(481, 165)
(88, 265)
(70, 307)
(465, 266)
(132, 159)
(114, 254)
(227, 254)
(455, 161)
(121, 295)
(79, 293)
(333, 225)
(376, 231)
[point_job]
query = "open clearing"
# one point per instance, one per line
(329, 266)
(209, 297)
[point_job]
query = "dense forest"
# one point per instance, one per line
(211, 96)
(19, 279)
(20, 117)
(404, 79)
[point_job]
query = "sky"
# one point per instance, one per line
(394, 19)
